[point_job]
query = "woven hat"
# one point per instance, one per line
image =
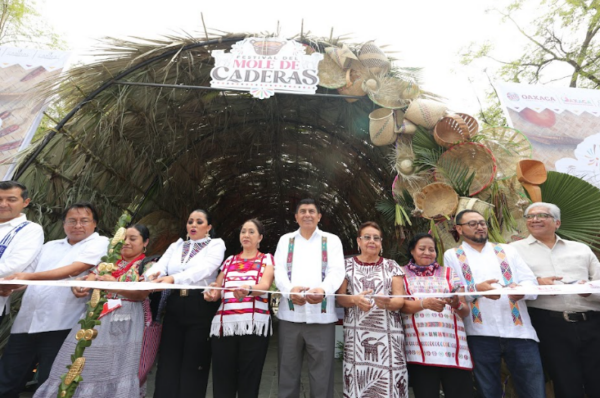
(467, 203)
(381, 127)
(353, 86)
(390, 92)
(508, 146)
(476, 158)
(331, 75)
(436, 201)
(341, 56)
(373, 58)
(454, 129)
(425, 113)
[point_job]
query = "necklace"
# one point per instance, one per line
(248, 258)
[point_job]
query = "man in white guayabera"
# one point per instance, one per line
(309, 266)
(568, 325)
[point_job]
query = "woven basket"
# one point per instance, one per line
(373, 58)
(330, 74)
(381, 127)
(508, 146)
(425, 113)
(436, 201)
(353, 86)
(477, 158)
(466, 203)
(454, 129)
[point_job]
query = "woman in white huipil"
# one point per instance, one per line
(185, 352)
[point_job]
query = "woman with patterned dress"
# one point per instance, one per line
(242, 325)
(436, 342)
(184, 351)
(374, 364)
(112, 361)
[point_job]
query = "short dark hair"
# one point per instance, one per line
(81, 205)
(308, 201)
(9, 184)
(367, 224)
(212, 233)
(259, 226)
(459, 216)
(413, 243)
(143, 230)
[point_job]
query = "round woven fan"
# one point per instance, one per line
(330, 74)
(436, 201)
(470, 157)
(508, 146)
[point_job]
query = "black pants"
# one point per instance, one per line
(237, 365)
(426, 380)
(184, 352)
(22, 352)
(570, 352)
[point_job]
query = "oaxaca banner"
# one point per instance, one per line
(562, 124)
(21, 103)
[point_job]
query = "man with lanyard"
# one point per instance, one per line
(309, 266)
(568, 325)
(20, 240)
(48, 313)
(498, 326)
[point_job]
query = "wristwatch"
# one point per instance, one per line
(249, 290)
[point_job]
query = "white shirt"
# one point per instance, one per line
(200, 270)
(569, 259)
(22, 252)
(306, 271)
(47, 308)
(496, 314)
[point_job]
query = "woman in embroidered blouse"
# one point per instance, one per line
(436, 343)
(374, 362)
(111, 368)
(242, 325)
(185, 352)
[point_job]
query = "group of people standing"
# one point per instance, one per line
(391, 338)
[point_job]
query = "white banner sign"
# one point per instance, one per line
(264, 66)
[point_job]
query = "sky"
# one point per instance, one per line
(428, 34)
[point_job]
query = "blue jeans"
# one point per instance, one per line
(522, 357)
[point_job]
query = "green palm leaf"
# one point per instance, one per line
(579, 203)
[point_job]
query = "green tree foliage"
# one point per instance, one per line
(563, 45)
(22, 25)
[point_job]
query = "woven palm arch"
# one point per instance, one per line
(164, 151)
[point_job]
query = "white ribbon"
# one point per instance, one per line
(582, 288)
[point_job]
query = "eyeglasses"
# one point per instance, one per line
(366, 238)
(474, 224)
(539, 216)
(72, 223)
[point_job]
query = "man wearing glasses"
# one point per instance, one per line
(309, 265)
(498, 326)
(568, 325)
(48, 313)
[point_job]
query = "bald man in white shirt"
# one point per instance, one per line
(309, 265)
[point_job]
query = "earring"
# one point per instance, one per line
(187, 237)
(359, 249)
(381, 252)
(207, 235)
(258, 245)
(145, 249)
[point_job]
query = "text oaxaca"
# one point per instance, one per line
(264, 66)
